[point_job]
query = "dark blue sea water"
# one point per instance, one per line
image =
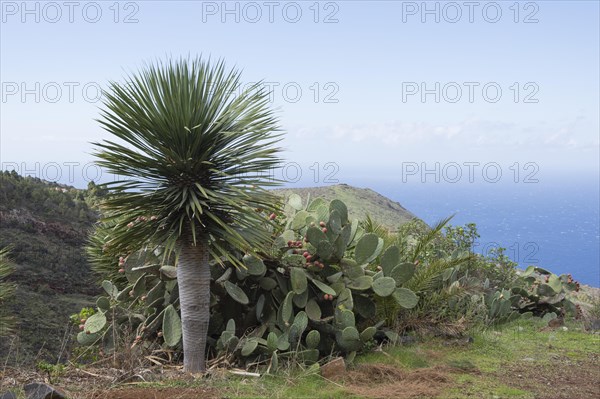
(554, 224)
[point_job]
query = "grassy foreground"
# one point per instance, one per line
(524, 359)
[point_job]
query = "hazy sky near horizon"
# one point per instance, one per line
(362, 88)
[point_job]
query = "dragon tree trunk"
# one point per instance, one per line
(193, 279)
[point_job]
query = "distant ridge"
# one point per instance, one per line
(360, 202)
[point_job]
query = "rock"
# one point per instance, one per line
(37, 390)
(334, 369)
(595, 325)
(8, 395)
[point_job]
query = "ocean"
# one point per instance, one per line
(554, 224)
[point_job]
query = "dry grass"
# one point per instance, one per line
(386, 381)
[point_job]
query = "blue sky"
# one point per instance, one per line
(344, 86)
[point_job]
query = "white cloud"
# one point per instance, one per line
(575, 134)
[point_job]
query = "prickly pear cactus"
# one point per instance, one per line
(537, 292)
(318, 288)
(144, 298)
(543, 292)
(316, 291)
(500, 306)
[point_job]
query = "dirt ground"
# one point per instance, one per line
(377, 381)
(157, 393)
(566, 379)
(380, 381)
(103, 384)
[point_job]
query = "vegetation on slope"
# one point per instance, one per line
(46, 226)
(6, 291)
(58, 282)
(326, 285)
(361, 202)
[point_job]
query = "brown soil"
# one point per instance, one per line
(382, 381)
(565, 379)
(107, 383)
(156, 393)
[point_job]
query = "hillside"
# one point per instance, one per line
(360, 202)
(45, 225)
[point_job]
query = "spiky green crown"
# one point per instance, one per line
(193, 155)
